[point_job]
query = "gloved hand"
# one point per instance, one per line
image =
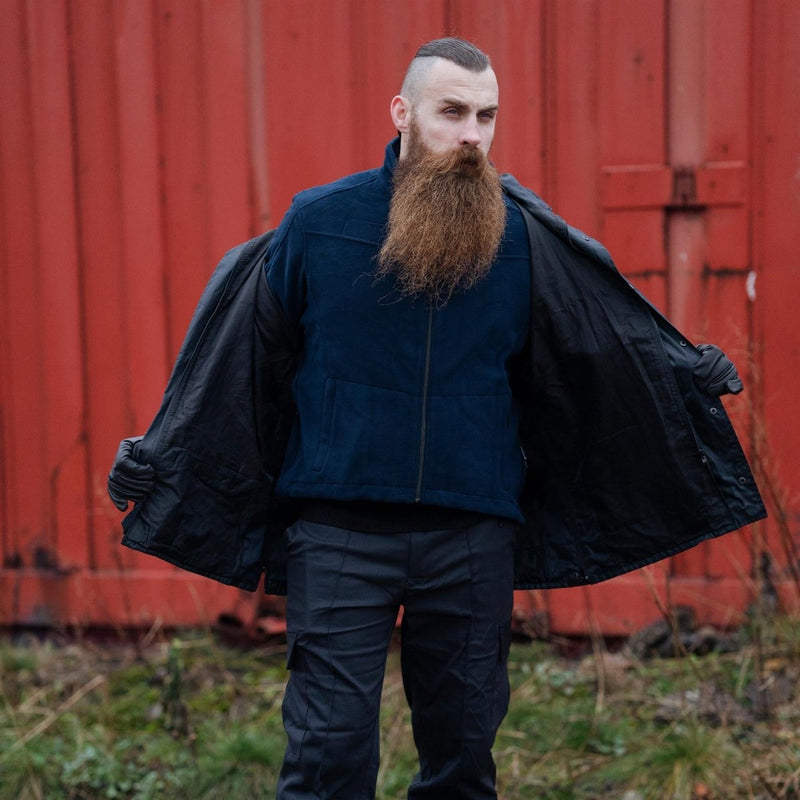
(715, 373)
(128, 479)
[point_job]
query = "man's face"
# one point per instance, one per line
(447, 215)
(455, 108)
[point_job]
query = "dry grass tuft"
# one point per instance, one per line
(191, 717)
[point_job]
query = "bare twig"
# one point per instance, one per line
(598, 649)
(74, 698)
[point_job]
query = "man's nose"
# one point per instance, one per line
(470, 134)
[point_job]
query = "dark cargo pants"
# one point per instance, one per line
(345, 589)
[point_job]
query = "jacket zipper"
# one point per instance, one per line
(423, 431)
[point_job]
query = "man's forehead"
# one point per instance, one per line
(447, 80)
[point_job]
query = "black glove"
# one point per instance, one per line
(715, 373)
(128, 479)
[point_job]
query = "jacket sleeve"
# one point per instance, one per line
(213, 451)
(276, 349)
(629, 462)
(275, 352)
(284, 266)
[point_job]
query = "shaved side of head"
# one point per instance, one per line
(459, 51)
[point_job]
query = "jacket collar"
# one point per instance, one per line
(391, 156)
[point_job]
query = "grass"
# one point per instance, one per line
(190, 717)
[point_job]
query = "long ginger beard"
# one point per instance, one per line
(446, 221)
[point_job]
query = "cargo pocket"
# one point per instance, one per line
(502, 691)
(294, 709)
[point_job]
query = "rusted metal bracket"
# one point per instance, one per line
(684, 188)
(677, 187)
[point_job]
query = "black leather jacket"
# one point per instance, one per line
(628, 460)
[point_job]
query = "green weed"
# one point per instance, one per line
(191, 718)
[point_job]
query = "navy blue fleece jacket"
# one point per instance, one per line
(397, 401)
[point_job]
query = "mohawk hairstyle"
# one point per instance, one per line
(459, 51)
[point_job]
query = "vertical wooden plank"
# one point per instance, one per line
(709, 249)
(225, 102)
(6, 544)
(102, 239)
(138, 378)
(727, 144)
(311, 110)
(631, 128)
(572, 116)
(44, 400)
(728, 57)
(21, 388)
(200, 71)
(206, 189)
(686, 235)
(141, 264)
(257, 119)
(724, 303)
(775, 279)
(725, 314)
(631, 87)
(685, 229)
(59, 312)
(184, 147)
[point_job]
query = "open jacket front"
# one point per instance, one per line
(628, 461)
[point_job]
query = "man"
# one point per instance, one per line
(440, 389)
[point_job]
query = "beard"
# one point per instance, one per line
(446, 221)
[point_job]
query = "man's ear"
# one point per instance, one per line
(400, 110)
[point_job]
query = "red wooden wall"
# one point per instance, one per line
(140, 139)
